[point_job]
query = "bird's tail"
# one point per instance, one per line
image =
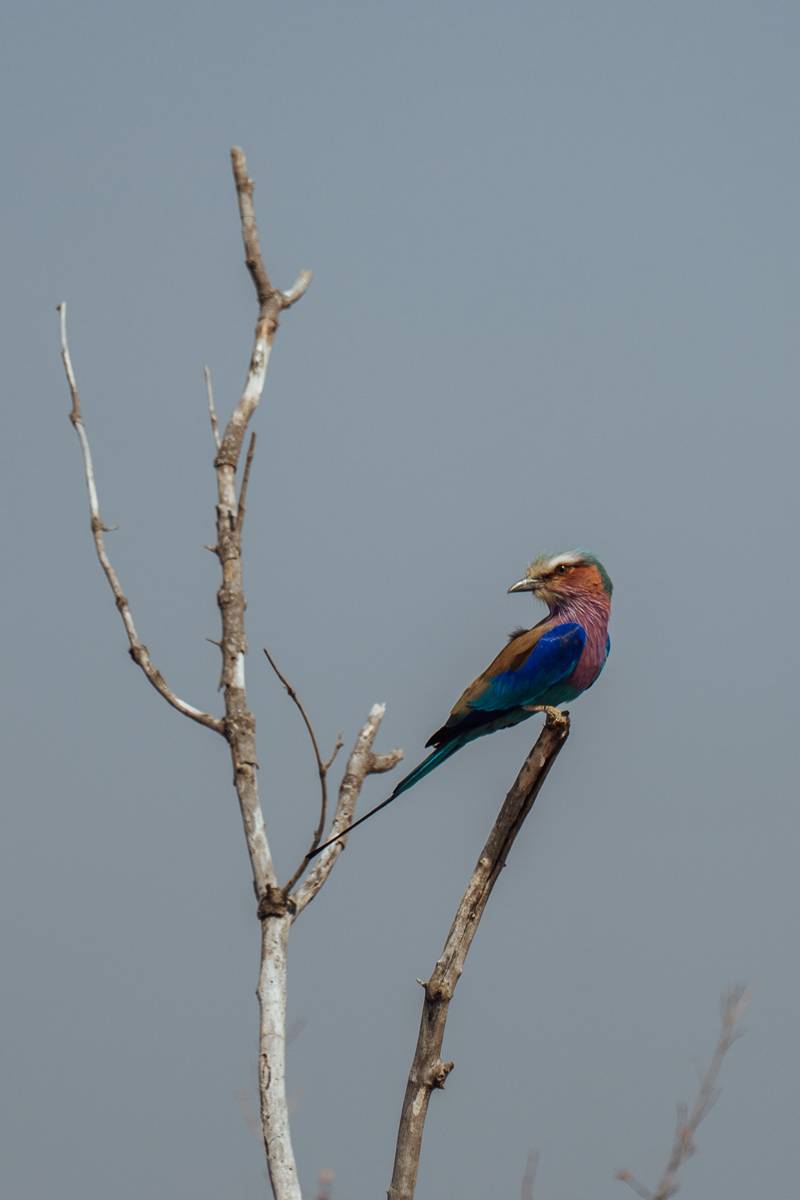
(424, 768)
(420, 771)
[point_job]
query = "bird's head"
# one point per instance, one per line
(558, 579)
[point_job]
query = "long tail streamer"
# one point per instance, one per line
(425, 767)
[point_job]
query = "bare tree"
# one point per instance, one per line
(278, 905)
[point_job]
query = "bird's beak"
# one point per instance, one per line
(524, 585)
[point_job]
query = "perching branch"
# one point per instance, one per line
(428, 1071)
(734, 1005)
(138, 651)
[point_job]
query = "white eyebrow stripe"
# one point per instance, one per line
(570, 558)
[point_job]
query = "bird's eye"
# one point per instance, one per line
(562, 568)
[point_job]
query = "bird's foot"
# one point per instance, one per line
(555, 716)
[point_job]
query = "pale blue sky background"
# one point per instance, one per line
(556, 302)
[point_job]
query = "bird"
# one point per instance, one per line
(550, 664)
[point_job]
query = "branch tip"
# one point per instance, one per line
(380, 763)
(298, 288)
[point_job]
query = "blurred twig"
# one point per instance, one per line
(529, 1178)
(326, 1178)
(734, 1005)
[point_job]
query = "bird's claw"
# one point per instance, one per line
(555, 716)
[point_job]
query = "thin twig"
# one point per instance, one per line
(322, 764)
(428, 1071)
(212, 412)
(635, 1184)
(138, 651)
(361, 763)
(734, 1005)
(337, 746)
(248, 463)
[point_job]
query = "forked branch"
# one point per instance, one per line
(428, 1070)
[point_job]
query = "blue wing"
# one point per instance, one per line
(553, 658)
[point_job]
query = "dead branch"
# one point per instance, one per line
(734, 1005)
(138, 651)
(361, 763)
(428, 1071)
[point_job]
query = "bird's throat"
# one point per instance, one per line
(591, 610)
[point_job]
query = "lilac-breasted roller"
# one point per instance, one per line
(550, 664)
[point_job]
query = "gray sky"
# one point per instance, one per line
(556, 302)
